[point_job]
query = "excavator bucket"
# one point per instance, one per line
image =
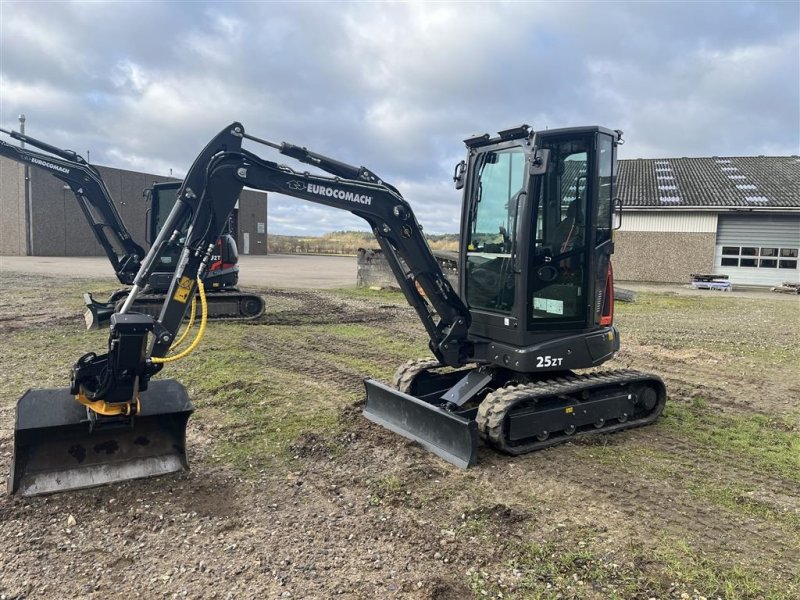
(57, 447)
(450, 435)
(97, 314)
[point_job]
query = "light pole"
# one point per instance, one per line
(28, 195)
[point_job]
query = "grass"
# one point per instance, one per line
(676, 561)
(259, 407)
(722, 441)
(759, 331)
(578, 565)
(772, 445)
(387, 296)
(32, 357)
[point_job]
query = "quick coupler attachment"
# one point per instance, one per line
(450, 435)
(59, 446)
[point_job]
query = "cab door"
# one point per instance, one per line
(490, 240)
(561, 236)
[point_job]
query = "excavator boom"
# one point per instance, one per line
(92, 195)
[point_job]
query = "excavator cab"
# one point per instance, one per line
(536, 238)
(223, 272)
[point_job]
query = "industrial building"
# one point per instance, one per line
(44, 219)
(736, 216)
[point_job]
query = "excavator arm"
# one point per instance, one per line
(209, 194)
(359, 191)
(92, 195)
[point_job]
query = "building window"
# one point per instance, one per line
(755, 257)
(791, 254)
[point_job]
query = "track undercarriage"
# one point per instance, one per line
(520, 413)
(229, 304)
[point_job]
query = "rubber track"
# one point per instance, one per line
(494, 409)
(158, 299)
(406, 373)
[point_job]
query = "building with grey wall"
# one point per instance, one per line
(57, 227)
(734, 216)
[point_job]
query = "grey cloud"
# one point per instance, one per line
(395, 87)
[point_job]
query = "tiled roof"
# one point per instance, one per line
(753, 181)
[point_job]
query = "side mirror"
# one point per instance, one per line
(540, 161)
(459, 174)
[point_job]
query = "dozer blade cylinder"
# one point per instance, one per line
(446, 434)
(55, 449)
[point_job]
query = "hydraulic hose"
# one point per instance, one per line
(201, 331)
(179, 341)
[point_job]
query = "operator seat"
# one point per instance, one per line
(568, 234)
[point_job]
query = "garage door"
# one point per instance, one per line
(757, 249)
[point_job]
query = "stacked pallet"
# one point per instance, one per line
(719, 283)
(787, 287)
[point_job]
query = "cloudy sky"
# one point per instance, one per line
(396, 87)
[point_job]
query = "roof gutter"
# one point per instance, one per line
(715, 209)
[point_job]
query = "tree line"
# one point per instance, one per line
(344, 242)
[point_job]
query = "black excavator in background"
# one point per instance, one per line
(94, 199)
(535, 303)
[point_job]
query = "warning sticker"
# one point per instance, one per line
(184, 290)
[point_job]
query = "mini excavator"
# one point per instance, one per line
(225, 300)
(535, 303)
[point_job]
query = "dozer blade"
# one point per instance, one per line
(448, 435)
(55, 449)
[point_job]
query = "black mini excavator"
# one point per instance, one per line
(94, 199)
(535, 303)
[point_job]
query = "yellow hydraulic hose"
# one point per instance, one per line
(179, 341)
(201, 331)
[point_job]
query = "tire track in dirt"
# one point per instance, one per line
(307, 358)
(318, 308)
(622, 500)
(306, 354)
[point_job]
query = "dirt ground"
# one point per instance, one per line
(293, 494)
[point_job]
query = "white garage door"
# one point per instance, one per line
(757, 249)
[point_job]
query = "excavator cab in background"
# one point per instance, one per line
(535, 301)
(225, 301)
(223, 269)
